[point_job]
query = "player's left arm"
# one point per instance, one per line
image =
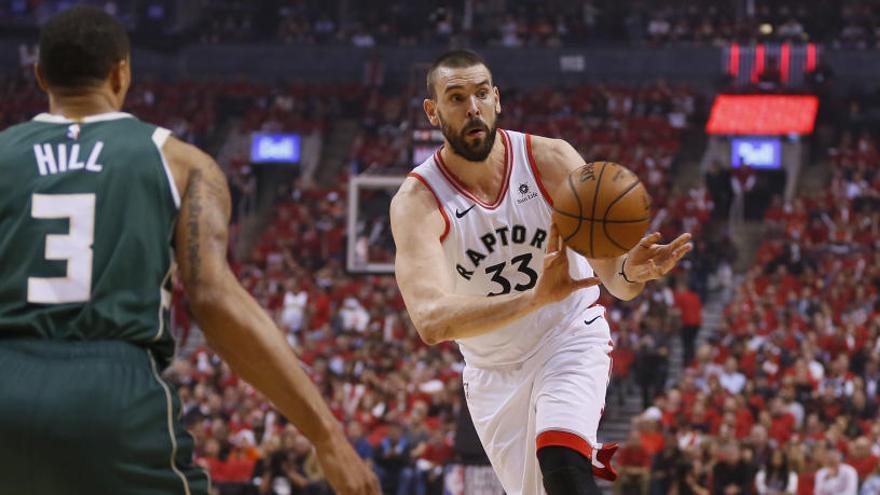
(624, 276)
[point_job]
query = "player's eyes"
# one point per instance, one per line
(483, 94)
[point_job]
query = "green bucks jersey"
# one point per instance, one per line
(87, 215)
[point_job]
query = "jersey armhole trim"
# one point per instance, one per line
(160, 135)
(534, 166)
(439, 204)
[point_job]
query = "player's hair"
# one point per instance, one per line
(78, 47)
(456, 59)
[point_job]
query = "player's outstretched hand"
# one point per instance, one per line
(346, 472)
(649, 260)
(556, 282)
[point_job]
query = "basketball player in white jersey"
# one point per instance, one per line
(478, 262)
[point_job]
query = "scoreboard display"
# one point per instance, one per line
(763, 115)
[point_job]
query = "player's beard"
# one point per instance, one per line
(477, 149)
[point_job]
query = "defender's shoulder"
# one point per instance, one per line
(184, 154)
(18, 131)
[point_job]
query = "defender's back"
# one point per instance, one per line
(87, 214)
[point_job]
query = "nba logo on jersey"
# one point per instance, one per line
(73, 131)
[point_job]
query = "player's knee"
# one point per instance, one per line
(566, 472)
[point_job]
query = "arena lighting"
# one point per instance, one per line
(763, 115)
(784, 62)
(794, 61)
(733, 60)
(758, 68)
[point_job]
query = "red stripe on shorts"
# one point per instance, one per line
(564, 439)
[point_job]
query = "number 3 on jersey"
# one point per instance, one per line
(522, 262)
(75, 248)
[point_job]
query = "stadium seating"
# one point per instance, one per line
(795, 368)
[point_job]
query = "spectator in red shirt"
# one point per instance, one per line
(813, 458)
(781, 422)
(650, 435)
(232, 470)
(622, 357)
(691, 309)
(861, 458)
(211, 460)
(437, 452)
(743, 417)
(634, 467)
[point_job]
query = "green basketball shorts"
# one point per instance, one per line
(90, 418)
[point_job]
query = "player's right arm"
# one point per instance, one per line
(425, 282)
(238, 328)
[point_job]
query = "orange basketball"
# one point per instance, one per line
(602, 210)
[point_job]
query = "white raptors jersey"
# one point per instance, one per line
(499, 248)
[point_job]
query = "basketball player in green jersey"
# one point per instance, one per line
(95, 208)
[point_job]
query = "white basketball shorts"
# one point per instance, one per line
(559, 389)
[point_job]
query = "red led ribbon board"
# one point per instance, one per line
(763, 115)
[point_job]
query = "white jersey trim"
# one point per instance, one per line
(533, 164)
(170, 424)
(160, 135)
(51, 118)
(462, 189)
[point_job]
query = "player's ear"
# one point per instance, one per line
(430, 107)
(497, 99)
(120, 76)
(41, 80)
(120, 79)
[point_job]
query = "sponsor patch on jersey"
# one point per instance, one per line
(525, 194)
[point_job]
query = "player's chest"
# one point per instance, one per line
(496, 252)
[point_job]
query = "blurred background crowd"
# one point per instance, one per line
(755, 368)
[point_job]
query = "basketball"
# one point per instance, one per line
(602, 210)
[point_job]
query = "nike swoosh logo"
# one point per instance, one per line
(591, 321)
(459, 214)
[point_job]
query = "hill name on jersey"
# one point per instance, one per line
(65, 158)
